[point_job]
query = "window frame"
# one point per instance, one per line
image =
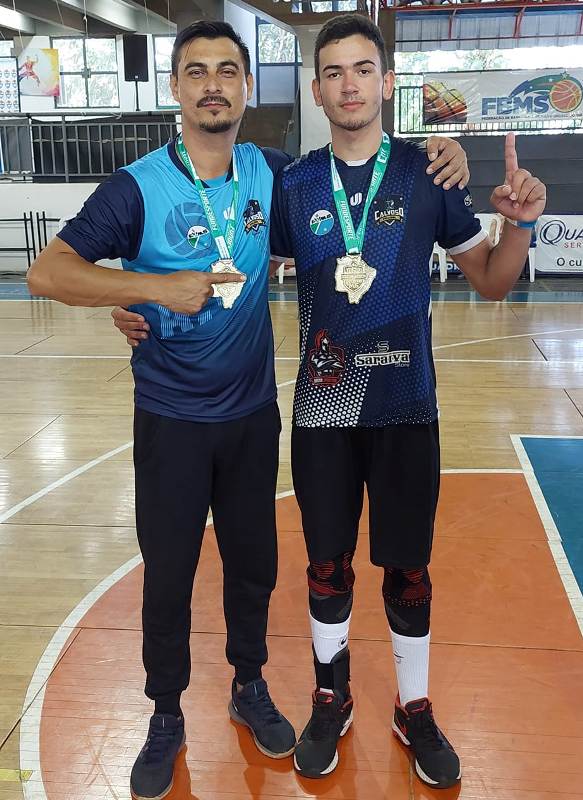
(84, 72)
(162, 72)
(297, 64)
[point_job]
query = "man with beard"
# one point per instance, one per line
(206, 421)
(206, 424)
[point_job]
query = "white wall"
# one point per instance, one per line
(315, 126)
(315, 131)
(243, 22)
(57, 200)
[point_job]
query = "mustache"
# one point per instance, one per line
(216, 99)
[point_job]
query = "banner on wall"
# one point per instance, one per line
(559, 244)
(477, 97)
(38, 72)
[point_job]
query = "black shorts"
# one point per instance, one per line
(399, 465)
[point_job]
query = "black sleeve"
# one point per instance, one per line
(111, 222)
(458, 226)
(276, 159)
(280, 240)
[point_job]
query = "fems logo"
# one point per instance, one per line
(560, 92)
(321, 222)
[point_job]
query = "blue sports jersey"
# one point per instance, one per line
(218, 364)
(367, 364)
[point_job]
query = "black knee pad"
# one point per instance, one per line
(407, 596)
(330, 584)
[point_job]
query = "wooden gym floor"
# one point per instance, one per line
(507, 652)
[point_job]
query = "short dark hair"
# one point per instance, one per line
(350, 25)
(209, 29)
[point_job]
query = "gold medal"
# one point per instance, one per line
(229, 292)
(354, 276)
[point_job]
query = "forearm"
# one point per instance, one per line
(506, 261)
(67, 277)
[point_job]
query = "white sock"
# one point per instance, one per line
(329, 639)
(411, 654)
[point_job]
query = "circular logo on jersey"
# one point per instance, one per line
(322, 222)
(195, 234)
(186, 230)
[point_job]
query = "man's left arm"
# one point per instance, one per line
(493, 270)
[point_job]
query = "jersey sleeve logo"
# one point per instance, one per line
(321, 222)
(390, 210)
(253, 217)
(326, 361)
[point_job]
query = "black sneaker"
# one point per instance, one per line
(436, 762)
(316, 754)
(153, 773)
(253, 707)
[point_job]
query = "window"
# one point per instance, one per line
(163, 69)
(278, 62)
(88, 70)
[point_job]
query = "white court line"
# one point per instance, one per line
(552, 363)
(295, 358)
(61, 481)
(501, 338)
(572, 589)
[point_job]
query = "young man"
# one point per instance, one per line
(365, 409)
(206, 422)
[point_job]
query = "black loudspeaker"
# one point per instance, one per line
(135, 57)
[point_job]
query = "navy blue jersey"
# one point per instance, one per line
(212, 366)
(367, 364)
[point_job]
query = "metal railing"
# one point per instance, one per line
(33, 232)
(73, 147)
(409, 116)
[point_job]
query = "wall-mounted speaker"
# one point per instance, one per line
(135, 57)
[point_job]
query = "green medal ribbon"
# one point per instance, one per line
(224, 241)
(354, 240)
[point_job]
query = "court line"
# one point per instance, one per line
(570, 584)
(61, 482)
(33, 788)
(501, 338)
(296, 358)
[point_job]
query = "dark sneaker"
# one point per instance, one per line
(316, 754)
(436, 762)
(253, 707)
(153, 772)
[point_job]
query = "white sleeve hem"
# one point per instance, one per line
(469, 244)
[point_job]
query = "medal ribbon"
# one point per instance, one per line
(224, 241)
(354, 239)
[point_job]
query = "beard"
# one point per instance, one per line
(217, 125)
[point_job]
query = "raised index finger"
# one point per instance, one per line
(510, 157)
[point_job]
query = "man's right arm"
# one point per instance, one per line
(60, 273)
(105, 228)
